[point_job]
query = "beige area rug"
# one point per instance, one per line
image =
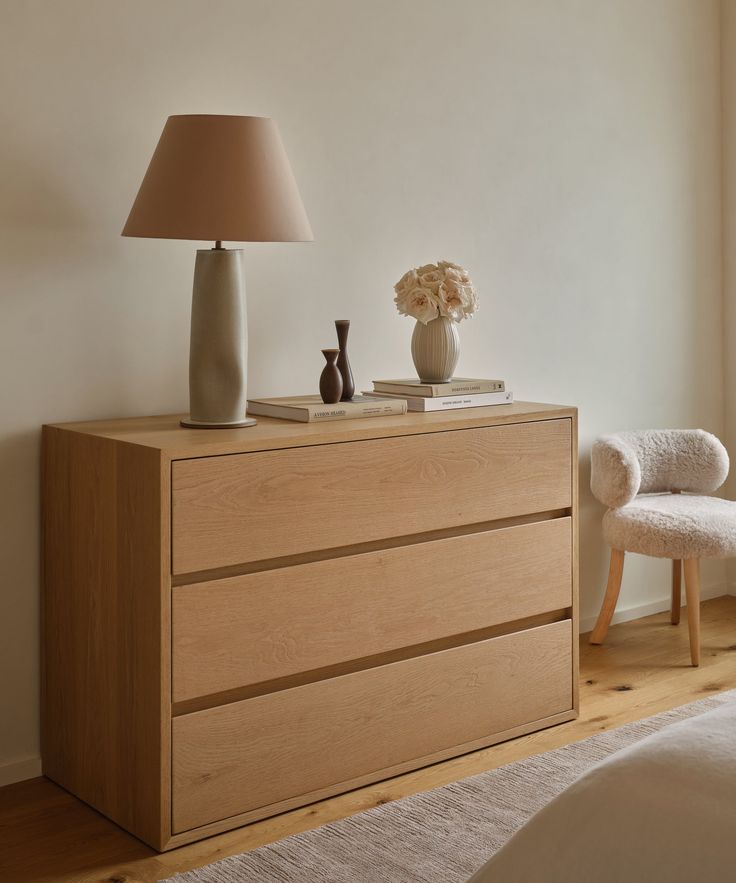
(438, 836)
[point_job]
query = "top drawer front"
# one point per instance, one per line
(249, 507)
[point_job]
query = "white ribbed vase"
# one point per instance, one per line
(435, 348)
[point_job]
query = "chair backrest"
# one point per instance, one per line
(654, 461)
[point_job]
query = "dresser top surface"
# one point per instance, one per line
(165, 434)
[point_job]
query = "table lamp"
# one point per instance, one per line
(219, 178)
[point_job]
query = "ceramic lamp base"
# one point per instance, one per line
(218, 355)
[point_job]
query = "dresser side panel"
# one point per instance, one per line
(105, 620)
(575, 566)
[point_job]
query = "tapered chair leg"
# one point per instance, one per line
(676, 592)
(692, 593)
(615, 573)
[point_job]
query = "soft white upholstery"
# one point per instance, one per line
(634, 473)
(673, 526)
(655, 461)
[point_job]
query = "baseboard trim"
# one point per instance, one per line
(20, 770)
(637, 611)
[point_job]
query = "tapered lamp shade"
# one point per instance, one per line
(219, 178)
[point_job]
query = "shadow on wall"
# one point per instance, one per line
(20, 458)
(19, 559)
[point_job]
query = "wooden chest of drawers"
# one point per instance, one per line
(239, 622)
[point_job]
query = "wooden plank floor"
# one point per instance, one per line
(48, 835)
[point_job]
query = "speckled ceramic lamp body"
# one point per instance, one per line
(218, 349)
(435, 349)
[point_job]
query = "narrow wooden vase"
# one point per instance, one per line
(435, 349)
(330, 381)
(343, 363)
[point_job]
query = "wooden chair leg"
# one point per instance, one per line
(615, 572)
(676, 591)
(692, 593)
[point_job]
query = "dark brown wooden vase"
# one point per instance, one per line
(330, 381)
(343, 363)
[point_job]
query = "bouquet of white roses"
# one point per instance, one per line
(441, 289)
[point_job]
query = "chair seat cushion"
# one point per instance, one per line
(673, 526)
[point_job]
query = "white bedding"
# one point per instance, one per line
(663, 809)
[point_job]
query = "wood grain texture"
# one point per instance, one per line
(265, 505)
(220, 573)
(211, 700)
(676, 592)
(575, 564)
(176, 442)
(233, 632)
(46, 834)
(105, 701)
(471, 500)
(238, 757)
(610, 599)
(691, 567)
(283, 806)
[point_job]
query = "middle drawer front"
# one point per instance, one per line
(257, 752)
(243, 630)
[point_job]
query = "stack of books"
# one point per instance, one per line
(460, 392)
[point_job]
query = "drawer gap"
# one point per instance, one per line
(226, 697)
(200, 576)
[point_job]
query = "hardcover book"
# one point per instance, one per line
(308, 409)
(448, 403)
(457, 386)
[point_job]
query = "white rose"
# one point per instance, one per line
(418, 303)
(455, 272)
(427, 268)
(472, 301)
(408, 281)
(431, 280)
(457, 301)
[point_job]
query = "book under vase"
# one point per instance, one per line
(458, 392)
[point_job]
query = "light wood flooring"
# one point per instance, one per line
(48, 835)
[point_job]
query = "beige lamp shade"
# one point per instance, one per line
(219, 178)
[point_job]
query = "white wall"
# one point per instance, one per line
(565, 151)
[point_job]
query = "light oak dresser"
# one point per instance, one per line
(239, 622)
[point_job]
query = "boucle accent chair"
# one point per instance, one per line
(653, 482)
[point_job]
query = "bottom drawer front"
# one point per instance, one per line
(249, 754)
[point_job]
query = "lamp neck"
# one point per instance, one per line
(218, 246)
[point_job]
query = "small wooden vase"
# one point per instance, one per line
(343, 363)
(330, 381)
